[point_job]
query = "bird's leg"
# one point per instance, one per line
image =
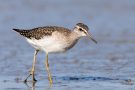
(33, 68)
(48, 70)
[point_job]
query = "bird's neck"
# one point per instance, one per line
(73, 39)
(74, 36)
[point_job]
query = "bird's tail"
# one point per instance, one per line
(18, 30)
(24, 33)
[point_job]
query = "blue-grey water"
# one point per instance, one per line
(109, 65)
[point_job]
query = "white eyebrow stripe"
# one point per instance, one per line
(85, 31)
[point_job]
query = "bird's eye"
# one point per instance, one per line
(80, 29)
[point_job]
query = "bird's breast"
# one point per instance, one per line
(56, 43)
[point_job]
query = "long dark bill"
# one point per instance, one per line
(90, 36)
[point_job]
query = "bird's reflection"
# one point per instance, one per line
(30, 85)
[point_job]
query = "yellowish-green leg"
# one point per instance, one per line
(48, 70)
(32, 72)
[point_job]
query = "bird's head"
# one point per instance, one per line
(82, 30)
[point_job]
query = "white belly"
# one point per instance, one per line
(48, 44)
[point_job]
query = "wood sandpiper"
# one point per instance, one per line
(52, 39)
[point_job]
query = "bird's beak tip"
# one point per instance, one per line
(92, 39)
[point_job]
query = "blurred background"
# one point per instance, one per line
(111, 23)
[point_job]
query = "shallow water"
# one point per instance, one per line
(107, 65)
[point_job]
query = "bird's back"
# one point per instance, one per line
(40, 32)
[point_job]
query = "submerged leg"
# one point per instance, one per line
(33, 68)
(48, 70)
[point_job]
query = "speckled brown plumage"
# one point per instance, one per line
(40, 32)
